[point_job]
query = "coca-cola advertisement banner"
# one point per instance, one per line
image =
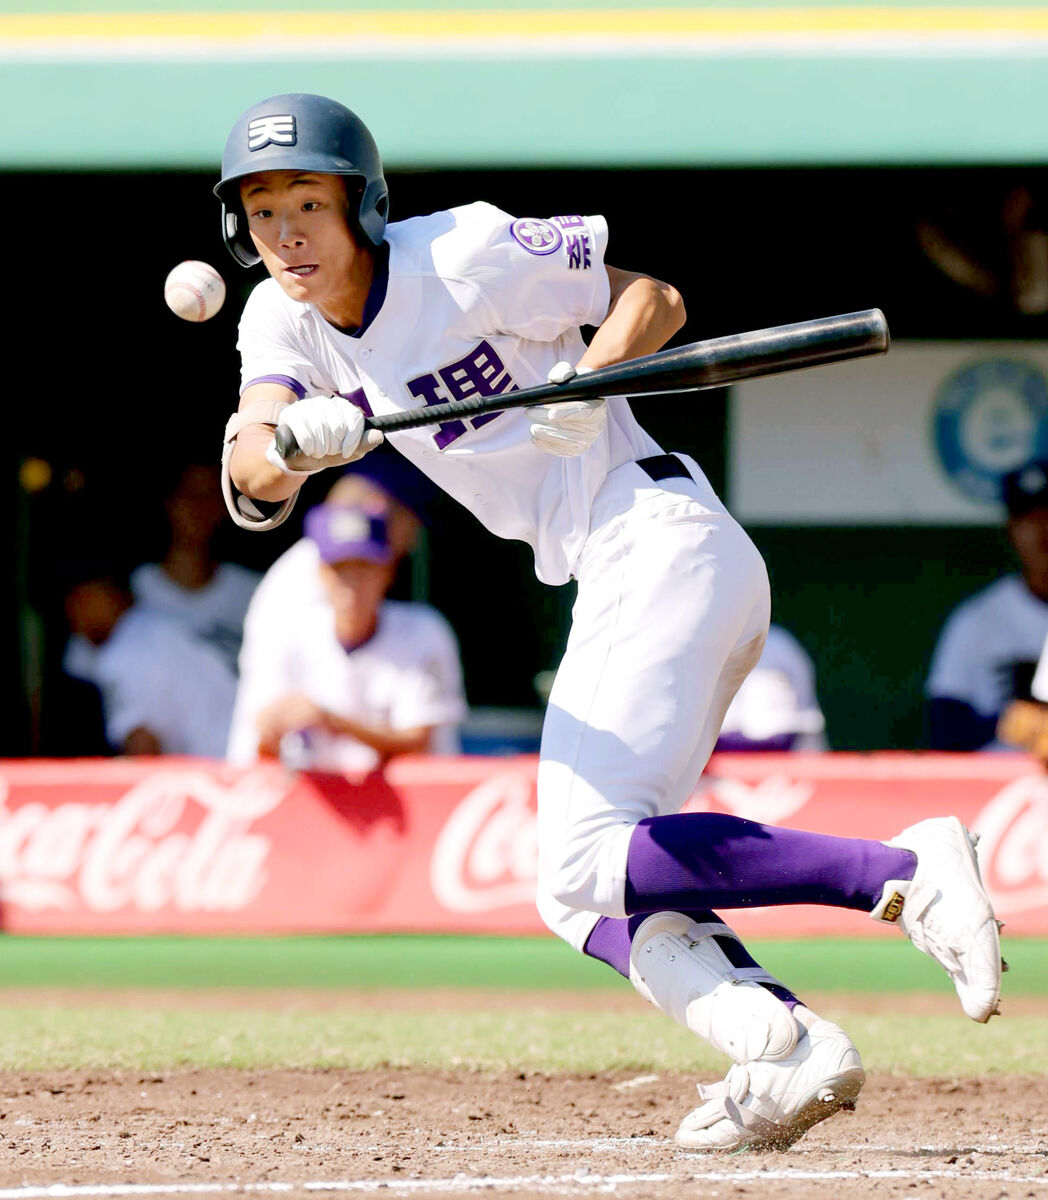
(437, 844)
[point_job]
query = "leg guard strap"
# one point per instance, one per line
(677, 965)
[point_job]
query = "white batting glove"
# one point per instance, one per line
(567, 427)
(329, 432)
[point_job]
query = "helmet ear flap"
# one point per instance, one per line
(374, 204)
(235, 236)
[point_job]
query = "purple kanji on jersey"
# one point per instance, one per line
(479, 373)
(427, 388)
(578, 247)
(359, 399)
(569, 222)
(536, 236)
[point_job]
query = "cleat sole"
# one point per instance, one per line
(843, 1093)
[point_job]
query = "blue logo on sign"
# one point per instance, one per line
(990, 418)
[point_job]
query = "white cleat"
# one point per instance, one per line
(945, 911)
(770, 1104)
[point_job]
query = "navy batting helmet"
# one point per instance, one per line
(299, 132)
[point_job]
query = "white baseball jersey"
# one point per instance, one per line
(214, 612)
(673, 605)
(474, 303)
(989, 646)
(154, 674)
(408, 675)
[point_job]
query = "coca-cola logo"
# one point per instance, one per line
(178, 839)
(770, 800)
(1013, 846)
(486, 856)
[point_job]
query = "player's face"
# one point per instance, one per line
(1029, 534)
(356, 589)
(299, 224)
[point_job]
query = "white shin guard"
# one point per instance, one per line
(677, 965)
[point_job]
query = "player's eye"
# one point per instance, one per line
(311, 206)
(260, 214)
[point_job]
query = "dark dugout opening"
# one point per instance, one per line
(114, 393)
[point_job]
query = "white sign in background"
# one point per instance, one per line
(918, 436)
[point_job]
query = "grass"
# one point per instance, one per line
(104, 1031)
(878, 964)
(60, 1037)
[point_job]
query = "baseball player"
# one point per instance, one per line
(333, 675)
(987, 653)
(361, 317)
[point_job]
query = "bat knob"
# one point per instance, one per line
(285, 442)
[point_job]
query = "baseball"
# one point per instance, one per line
(194, 290)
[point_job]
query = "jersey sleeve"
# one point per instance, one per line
(534, 277)
(960, 669)
(270, 345)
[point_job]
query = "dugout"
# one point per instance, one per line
(769, 184)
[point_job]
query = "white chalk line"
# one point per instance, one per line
(650, 1144)
(579, 1181)
(458, 1183)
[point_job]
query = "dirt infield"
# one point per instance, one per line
(417, 1132)
(454, 1134)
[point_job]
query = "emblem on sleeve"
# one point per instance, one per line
(536, 236)
(271, 131)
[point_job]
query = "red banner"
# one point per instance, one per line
(193, 846)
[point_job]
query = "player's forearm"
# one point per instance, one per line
(387, 743)
(141, 741)
(643, 315)
(253, 473)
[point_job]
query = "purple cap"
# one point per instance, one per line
(342, 532)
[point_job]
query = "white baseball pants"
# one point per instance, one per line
(672, 613)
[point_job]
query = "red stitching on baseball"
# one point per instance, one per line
(195, 292)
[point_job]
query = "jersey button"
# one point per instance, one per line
(366, 352)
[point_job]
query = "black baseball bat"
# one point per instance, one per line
(715, 362)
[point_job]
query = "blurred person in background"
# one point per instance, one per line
(383, 478)
(207, 596)
(775, 707)
(334, 676)
(163, 689)
(988, 649)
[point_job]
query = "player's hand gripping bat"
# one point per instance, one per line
(698, 366)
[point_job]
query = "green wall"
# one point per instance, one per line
(886, 83)
(868, 605)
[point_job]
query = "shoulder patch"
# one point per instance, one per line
(536, 236)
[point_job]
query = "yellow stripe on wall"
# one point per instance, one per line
(529, 24)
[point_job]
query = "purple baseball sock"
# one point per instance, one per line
(611, 938)
(689, 860)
